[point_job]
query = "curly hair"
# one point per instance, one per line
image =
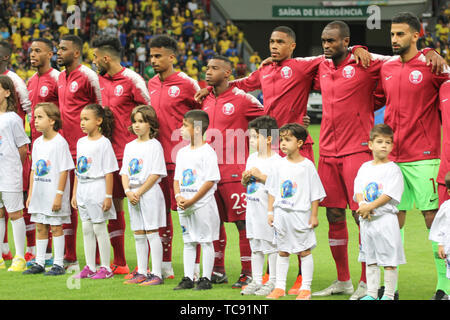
(105, 113)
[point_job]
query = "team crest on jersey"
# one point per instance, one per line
(42, 167)
(118, 90)
(73, 86)
(44, 91)
(83, 164)
(372, 191)
(228, 109)
(286, 72)
(174, 91)
(288, 189)
(348, 72)
(135, 166)
(252, 186)
(415, 77)
(189, 177)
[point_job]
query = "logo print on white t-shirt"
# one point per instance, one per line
(118, 90)
(42, 167)
(415, 77)
(83, 164)
(228, 109)
(372, 191)
(73, 86)
(348, 72)
(286, 72)
(189, 177)
(252, 186)
(174, 91)
(1, 140)
(44, 91)
(288, 189)
(135, 166)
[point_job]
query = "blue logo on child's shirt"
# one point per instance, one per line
(42, 167)
(0, 140)
(288, 189)
(189, 177)
(372, 191)
(83, 164)
(252, 186)
(135, 166)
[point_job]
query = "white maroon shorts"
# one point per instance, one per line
(49, 220)
(11, 201)
(264, 246)
(90, 197)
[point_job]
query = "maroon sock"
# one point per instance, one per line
(166, 235)
(50, 241)
(30, 228)
(199, 251)
(70, 237)
(246, 253)
(219, 250)
(116, 229)
(5, 238)
(363, 266)
(338, 240)
(299, 265)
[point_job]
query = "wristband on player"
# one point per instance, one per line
(108, 196)
(59, 192)
(270, 213)
(127, 190)
(362, 202)
(177, 195)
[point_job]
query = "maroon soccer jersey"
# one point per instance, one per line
(348, 105)
(121, 93)
(229, 115)
(444, 105)
(22, 94)
(172, 98)
(42, 88)
(75, 91)
(412, 108)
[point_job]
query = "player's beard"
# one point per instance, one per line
(401, 50)
(65, 62)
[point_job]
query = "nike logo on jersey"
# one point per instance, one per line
(387, 78)
(265, 76)
(240, 212)
(152, 92)
(441, 100)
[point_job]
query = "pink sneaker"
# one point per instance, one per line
(102, 273)
(85, 273)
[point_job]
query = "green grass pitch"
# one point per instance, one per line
(417, 279)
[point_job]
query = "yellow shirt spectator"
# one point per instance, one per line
(255, 59)
(22, 73)
(17, 40)
(102, 23)
(25, 22)
(198, 23)
(156, 10)
(30, 73)
(234, 60)
(13, 58)
(100, 4)
(176, 27)
(111, 4)
(224, 45)
(63, 30)
(443, 33)
(36, 33)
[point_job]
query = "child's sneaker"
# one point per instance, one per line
(368, 298)
(265, 278)
(295, 290)
(276, 293)
(56, 271)
(34, 269)
(167, 273)
(360, 292)
(185, 283)
(2, 263)
(152, 280)
(251, 288)
(70, 265)
(304, 295)
(18, 265)
(138, 278)
(203, 284)
(243, 280)
(386, 298)
(266, 289)
(85, 273)
(103, 273)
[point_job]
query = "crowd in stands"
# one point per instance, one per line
(135, 22)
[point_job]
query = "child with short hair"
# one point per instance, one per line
(142, 170)
(49, 193)
(13, 151)
(440, 229)
(263, 134)
(295, 191)
(378, 190)
(195, 181)
(93, 185)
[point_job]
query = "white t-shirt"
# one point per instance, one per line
(374, 180)
(95, 158)
(257, 198)
(49, 159)
(142, 159)
(440, 228)
(194, 167)
(12, 137)
(295, 185)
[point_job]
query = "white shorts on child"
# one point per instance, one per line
(150, 212)
(50, 220)
(11, 201)
(381, 242)
(292, 231)
(203, 225)
(90, 197)
(261, 245)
